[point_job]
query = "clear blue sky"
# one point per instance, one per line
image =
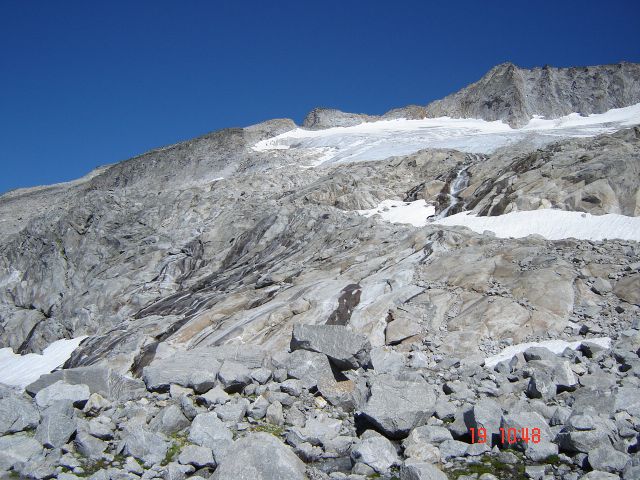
(84, 83)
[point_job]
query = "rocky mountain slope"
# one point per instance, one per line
(237, 299)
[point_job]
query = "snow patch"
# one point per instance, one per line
(551, 224)
(387, 138)
(21, 370)
(556, 346)
(396, 211)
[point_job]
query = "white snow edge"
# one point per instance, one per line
(21, 370)
(556, 346)
(549, 223)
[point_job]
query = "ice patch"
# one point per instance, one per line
(396, 211)
(387, 138)
(21, 370)
(551, 224)
(556, 346)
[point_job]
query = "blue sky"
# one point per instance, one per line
(87, 83)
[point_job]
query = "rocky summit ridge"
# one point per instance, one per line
(516, 95)
(242, 313)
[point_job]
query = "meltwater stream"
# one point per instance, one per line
(459, 183)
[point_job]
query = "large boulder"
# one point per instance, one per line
(102, 380)
(316, 431)
(57, 426)
(398, 404)
(207, 430)
(376, 452)
(63, 391)
(17, 414)
(628, 289)
(486, 414)
(192, 369)
(584, 433)
(309, 367)
(197, 456)
(259, 456)
(169, 420)
(345, 349)
(18, 450)
(234, 376)
(87, 445)
(608, 459)
(143, 444)
(526, 422)
(422, 441)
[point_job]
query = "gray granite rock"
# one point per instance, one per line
(62, 391)
(169, 420)
(486, 414)
(607, 459)
(376, 452)
(452, 449)
(197, 456)
(234, 411)
(527, 422)
(345, 348)
(234, 376)
(18, 450)
(143, 444)
(207, 430)
(58, 424)
(259, 456)
(17, 414)
(215, 396)
(309, 367)
(88, 445)
(194, 369)
(317, 430)
(102, 380)
(397, 405)
(275, 414)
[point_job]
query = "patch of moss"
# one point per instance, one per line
(274, 430)
(490, 464)
(92, 467)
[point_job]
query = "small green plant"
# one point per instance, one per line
(552, 460)
(178, 442)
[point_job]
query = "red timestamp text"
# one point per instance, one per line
(508, 436)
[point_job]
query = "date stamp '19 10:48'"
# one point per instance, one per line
(507, 436)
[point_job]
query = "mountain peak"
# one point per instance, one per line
(515, 95)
